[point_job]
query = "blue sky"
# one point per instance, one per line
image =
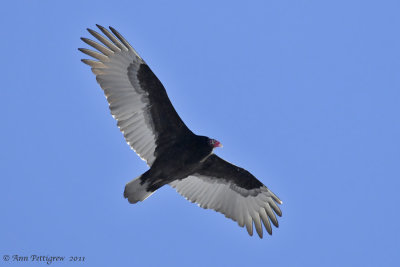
(304, 94)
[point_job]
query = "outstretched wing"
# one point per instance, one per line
(233, 191)
(137, 99)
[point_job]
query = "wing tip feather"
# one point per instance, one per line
(259, 210)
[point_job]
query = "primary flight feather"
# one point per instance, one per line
(176, 156)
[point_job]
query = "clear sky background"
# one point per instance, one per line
(303, 94)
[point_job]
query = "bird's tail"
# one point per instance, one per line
(138, 190)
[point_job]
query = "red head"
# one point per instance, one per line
(214, 143)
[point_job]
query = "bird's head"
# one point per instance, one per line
(214, 143)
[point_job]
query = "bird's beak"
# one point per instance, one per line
(217, 144)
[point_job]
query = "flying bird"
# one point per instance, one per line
(176, 156)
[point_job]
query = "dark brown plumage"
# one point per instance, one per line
(176, 156)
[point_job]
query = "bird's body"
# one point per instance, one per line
(178, 162)
(176, 156)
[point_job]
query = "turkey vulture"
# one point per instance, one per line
(176, 156)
